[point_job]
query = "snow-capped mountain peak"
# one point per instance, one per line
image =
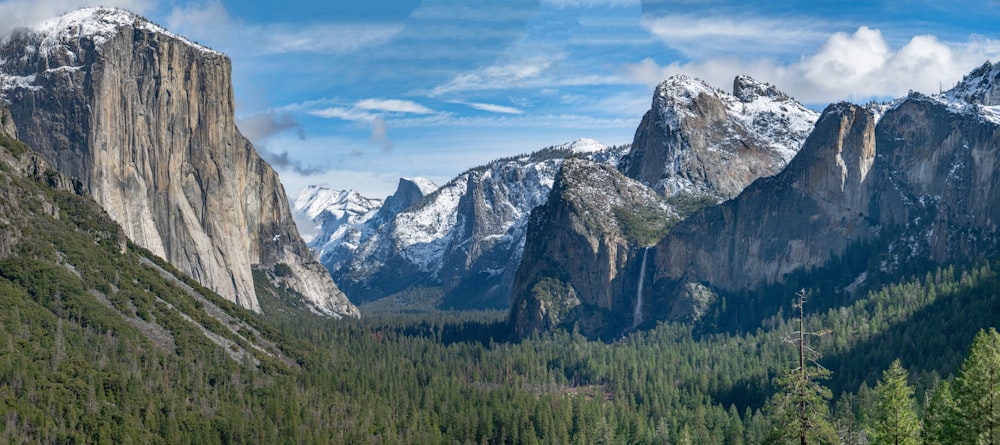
(99, 24)
(583, 146)
(331, 213)
(979, 87)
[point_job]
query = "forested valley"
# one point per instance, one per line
(100, 342)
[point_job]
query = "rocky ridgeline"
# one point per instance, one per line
(144, 120)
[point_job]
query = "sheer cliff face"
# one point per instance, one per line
(145, 120)
(581, 258)
(819, 204)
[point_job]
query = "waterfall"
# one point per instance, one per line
(637, 316)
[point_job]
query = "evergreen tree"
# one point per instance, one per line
(977, 390)
(894, 420)
(940, 417)
(800, 410)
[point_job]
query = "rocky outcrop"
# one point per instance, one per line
(582, 257)
(700, 140)
(815, 207)
(7, 126)
(145, 120)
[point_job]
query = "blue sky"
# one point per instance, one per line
(356, 94)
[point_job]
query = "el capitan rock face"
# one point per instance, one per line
(145, 120)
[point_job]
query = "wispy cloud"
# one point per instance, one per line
(342, 113)
(367, 110)
(564, 120)
(393, 106)
(695, 36)
(262, 126)
(380, 134)
(589, 3)
(211, 22)
(847, 66)
(493, 108)
(533, 72)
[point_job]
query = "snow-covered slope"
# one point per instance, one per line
(699, 139)
(332, 212)
(56, 38)
(464, 240)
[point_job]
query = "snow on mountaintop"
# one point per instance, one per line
(583, 145)
(100, 24)
(761, 109)
(340, 209)
(978, 93)
(315, 199)
(425, 185)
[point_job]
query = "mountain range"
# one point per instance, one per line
(721, 198)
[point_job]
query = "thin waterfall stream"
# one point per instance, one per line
(637, 316)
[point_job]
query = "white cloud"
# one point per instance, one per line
(210, 22)
(856, 66)
(20, 13)
(393, 105)
(493, 108)
(495, 77)
(347, 114)
(694, 36)
(368, 110)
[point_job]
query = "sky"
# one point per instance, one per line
(356, 94)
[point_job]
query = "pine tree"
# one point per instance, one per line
(977, 390)
(940, 417)
(800, 409)
(894, 420)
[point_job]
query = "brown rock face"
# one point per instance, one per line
(579, 259)
(817, 205)
(921, 187)
(699, 139)
(145, 120)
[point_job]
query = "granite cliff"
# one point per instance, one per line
(144, 120)
(585, 249)
(910, 184)
(588, 252)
